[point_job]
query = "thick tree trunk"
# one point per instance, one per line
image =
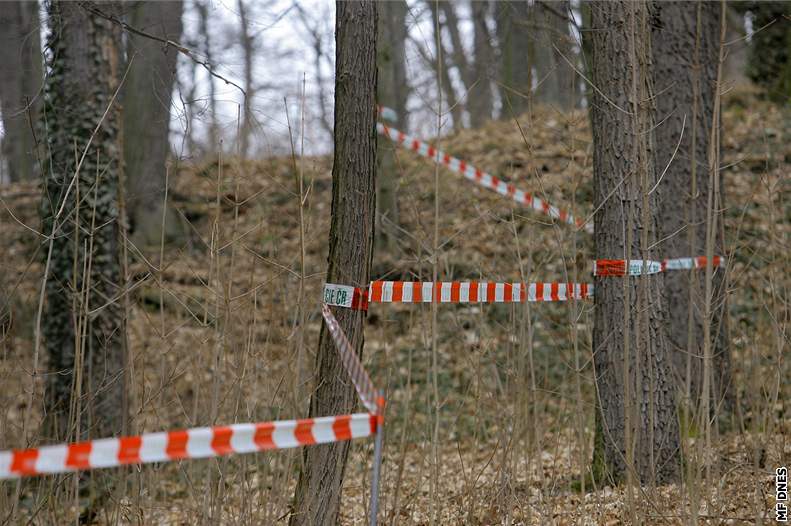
(20, 81)
(515, 42)
(147, 99)
(480, 96)
(639, 428)
(83, 325)
(686, 56)
(392, 91)
(317, 497)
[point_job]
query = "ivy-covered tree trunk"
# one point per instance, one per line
(317, 498)
(83, 324)
(392, 92)
(686, 48)
(20, 81)
(638, 428)
(146, 100)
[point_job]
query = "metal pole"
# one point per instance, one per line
(377, 458)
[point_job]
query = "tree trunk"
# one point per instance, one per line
(20, 81)
(686, 57)
(82, 325)
(480, 96)
(147, 99)
(451, 101)
(638, 425)
(542, 55)
(203, 23)
(563, 53)
(248, 50)
(554, 47)
(317, 497)
(735, 67)
(392, 91)
(514, 37)
(769, 63)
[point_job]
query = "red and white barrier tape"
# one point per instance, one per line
(199, 442)
(388, 114)
(481, 178)
(637, 267)
(692, 263)
(620, 267)
(463, 292)
(360, 379)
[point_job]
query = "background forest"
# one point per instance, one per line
(179, 180)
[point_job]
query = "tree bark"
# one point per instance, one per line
(515, 42)
(638, 431)
(317, 497)
(769, 63)
(82, 325)
(480, 95)
(147, 100)
(203, 23)
(554, 46)
(392, 91)
(686, 58)
(248, 50)
(452, 102)
(735, 66)
(21, 76)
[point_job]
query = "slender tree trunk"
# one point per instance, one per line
(147, 99)
(563, 52)
(451, 101)
(203, 22)
(542, 55)
(317, 497)
(514, 38)
(20, 81)
(639, 428)
(458, 57)
(686, 57)
(83, 327)
(392, 91)
(554, 46)
(248, 50)
(480, 96)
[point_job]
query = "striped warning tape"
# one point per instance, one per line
(621, 267)
(199, 442)
(637, 267)
(692, 263)
(461, 292)
(481, 178)
(203, 442)
(360, 379)
(388, 114)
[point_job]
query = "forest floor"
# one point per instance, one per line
(214, 337)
